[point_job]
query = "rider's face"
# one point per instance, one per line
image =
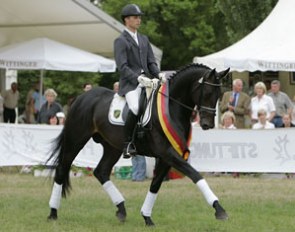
(133, 22)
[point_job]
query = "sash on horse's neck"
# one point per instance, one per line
(178, 141)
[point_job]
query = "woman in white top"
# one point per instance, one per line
(262, 101)
(263, 123)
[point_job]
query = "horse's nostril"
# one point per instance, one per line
(205, 127)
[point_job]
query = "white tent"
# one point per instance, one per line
(78, 23)
(270, 47)
(46, 54)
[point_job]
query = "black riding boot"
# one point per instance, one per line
(129, 148)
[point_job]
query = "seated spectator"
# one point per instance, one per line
(53, 120)
(61, 118)
(87, 87)
(228, 120)
(287, 121)
(263, 123)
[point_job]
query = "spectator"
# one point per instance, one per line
(138, 168)
(263, 122)
(53, 120)
(261, 101)
(116, 86)
(10, 101)
(87, 87)
(237, 102)
(50, 107)
(39, 100)
(293, 111)
(281, 101)
(67, 106)
(61, 118)
(195, 119)
(287, 121)
(1, 108)
(30, 107)
(228, 120)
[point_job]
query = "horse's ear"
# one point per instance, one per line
(224, 73)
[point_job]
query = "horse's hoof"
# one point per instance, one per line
(148, 221)
(121, 216)
(220, 213)
(52, 215)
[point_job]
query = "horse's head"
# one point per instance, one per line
(207, 95)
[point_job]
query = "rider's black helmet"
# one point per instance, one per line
(130, 10)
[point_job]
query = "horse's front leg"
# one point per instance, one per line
(181, 165)
(161, 171)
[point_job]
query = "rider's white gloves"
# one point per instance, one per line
(145, 81)
(162, 77)
(155, 83)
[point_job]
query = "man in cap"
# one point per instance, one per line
(134, 56)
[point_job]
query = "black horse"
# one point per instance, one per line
(193, 85)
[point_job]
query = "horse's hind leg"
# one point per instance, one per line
(61, 180)
(161, 171)
(103, 171)
(181, 165)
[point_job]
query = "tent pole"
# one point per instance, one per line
(41, 88)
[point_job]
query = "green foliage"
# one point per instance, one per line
(243, 16)
(66, 84)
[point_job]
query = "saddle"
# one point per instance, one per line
(119, 108)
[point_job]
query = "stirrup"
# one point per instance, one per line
(129, 151)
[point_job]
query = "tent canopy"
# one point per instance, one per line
(77, 23)
(270, 47)
(46, 54)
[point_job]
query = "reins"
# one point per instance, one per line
(178, 102)
(200, 108)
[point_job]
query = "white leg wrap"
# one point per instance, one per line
(113, 192)
(55, 198)
(207, 192)
(147, 207)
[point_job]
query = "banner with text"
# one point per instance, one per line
(25, 144)
(213, 150)
(245, 150)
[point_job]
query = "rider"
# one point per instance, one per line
(134, 56)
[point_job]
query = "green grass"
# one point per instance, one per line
(253, 204)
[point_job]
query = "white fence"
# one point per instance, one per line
(214, 150)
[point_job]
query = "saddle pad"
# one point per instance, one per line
(119, 109)
(116, 110)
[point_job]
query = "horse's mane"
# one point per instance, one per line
(186, 68)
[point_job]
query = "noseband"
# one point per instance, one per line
(200, 107)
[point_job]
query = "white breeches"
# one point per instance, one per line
(132, 99)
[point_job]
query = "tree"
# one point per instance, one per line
(188, 28)
(243, 16)
(181, 29)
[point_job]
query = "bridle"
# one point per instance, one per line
(200, 107)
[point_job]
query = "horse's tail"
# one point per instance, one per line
(65, 175)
